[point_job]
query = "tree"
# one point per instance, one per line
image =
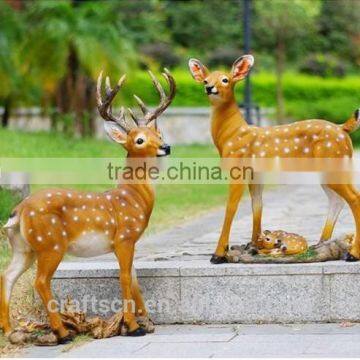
(203, 26)
(11, 35)
(67, 45)
(339, 23)
(282, 28)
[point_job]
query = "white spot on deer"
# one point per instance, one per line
(89, 196)
(64, 233)
(58, 193)
(56, 247)
(108, 197)
(63, 208)
(263, 153)
(49, 195)
(93, 209)
(75, 218)
(137, 229)
(243, 150)
(328, 144)
(257, 143)
(83, 207)
(126, 218)
(141, 216)
(30, 231)
(69, 195)
(267, 132)
(122, 236)
(128, 231)
(286, 150)
(286, 129)
(80, 196)
(306, 150)
(107, 232)
(98, 218)
(49, 233)
(41, 209)
(53, 221)
(328, 126)
(277, 141)
(308, 126)
(315, 137)
(123, 204)
(112, 221)
(39, 238)
(123, 192)
(341, 136)
(102, 207)
(230, 143)
(88, 219)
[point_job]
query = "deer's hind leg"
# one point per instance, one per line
(336, 204)
(48, 261)
(349, 193)
(22, 259)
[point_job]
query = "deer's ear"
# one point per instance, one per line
(198, 70)
(241, 67)
(115, 132)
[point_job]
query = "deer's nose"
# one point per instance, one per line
(209, 89)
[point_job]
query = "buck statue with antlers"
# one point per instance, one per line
(53, 222)
(309, 139)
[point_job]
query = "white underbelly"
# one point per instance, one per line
(91, 244)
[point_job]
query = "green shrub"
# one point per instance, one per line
(7, 202)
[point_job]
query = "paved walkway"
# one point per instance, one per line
(299, 209)
(310, 340)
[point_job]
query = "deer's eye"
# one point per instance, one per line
(140, 141)
(205, 82)
(225, 80)
(267, 239)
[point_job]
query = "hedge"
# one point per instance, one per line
(306, 96)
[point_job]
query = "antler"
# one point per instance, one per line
(165, 100)
(104, 104)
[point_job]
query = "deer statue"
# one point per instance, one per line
(280, 242)
(53, 222)
(308, 139)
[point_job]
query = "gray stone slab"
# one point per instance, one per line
(255, 299)
(195, 290)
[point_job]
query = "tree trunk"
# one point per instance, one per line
(280, 65)
(6, 115)
(75, 99)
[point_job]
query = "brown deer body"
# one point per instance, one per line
(53, 222)
(234, 138)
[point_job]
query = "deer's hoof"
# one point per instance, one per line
(350, 258)
(65, 340)
(140, 331)
(215, 259)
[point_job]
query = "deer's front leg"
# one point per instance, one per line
(141, 312)
(256, 191)
(124, 251)
(235, 193)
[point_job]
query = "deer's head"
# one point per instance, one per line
(219, 85)
(140, 137)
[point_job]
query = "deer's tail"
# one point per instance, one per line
(353, 123)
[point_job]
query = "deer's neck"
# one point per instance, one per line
(140, 184)
(226, 119)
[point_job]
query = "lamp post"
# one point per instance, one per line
(247, 39)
